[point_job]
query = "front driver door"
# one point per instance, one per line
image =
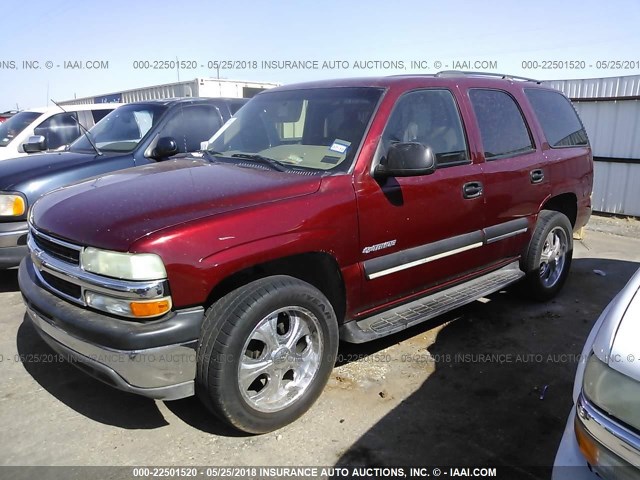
(418, 233)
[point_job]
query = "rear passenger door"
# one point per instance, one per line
(568, 161)
(514, 172)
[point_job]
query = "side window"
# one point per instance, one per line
(429, 117)
(191, 125)
(502, 126)
(235, 105)
(59, 130)
(559, 121)
(99, 115)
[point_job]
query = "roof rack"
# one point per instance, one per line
(413, 75)
(452, 73)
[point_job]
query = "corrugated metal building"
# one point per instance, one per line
(610, 111)
(198, 87)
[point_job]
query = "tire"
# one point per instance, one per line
(266, 352)
(549, 255)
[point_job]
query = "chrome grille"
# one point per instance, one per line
(57, 266)
(58, 284)
(57, 248)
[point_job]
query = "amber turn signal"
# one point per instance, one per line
(150, 309)
(588, 446)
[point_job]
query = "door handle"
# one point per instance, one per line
(536, 176)
(472, 190)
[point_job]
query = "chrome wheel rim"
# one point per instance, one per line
(280, 359)
(553, 256)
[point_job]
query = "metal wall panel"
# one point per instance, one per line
(615, 188)
(199, 87)
(628, 86)
(613, 127)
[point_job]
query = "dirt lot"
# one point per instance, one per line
(489, 384)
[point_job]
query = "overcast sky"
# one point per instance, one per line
(119, 32)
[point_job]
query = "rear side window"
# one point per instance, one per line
(11, 128)
(502, 127)
(59, 130)
(99, 114)
(559, 121)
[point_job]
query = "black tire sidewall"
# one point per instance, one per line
(286, 291)
(547, 221)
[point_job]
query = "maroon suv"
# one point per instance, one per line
(326, 211)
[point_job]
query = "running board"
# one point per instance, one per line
(426, 308)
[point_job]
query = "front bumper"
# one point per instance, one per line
(156, 359)
(13, 243)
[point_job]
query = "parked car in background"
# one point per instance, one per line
(334, 210)
(602, 435)
(134, 134)
(4, 116)
(57, 128)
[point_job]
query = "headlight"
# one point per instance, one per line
(12, 205)
(612, 392)
(128, 308)
(127, 266)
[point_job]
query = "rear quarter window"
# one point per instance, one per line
(560, 122)
(99, 114)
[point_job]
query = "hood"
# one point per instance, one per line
(115, 210)
(617, 337)
(17, 172)
(36, 175)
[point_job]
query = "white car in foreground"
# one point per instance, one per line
(56, 126)
(603, 430)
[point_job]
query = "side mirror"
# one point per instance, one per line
(165, 147)
(407, 160)
(35, 143)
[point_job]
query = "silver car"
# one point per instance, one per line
(602, 435)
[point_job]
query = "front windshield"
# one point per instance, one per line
(122, 129)
(14, 125)
(318, 128)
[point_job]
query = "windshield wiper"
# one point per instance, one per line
(84, 130)
(270, 162)
(210, 155)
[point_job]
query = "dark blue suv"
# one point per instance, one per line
(133, 134)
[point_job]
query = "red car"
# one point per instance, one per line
(334, 210)
(4, 116)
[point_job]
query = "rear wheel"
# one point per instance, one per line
(548, 259)
(266, 352)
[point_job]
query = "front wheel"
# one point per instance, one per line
(266, 352)
(549, 256)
